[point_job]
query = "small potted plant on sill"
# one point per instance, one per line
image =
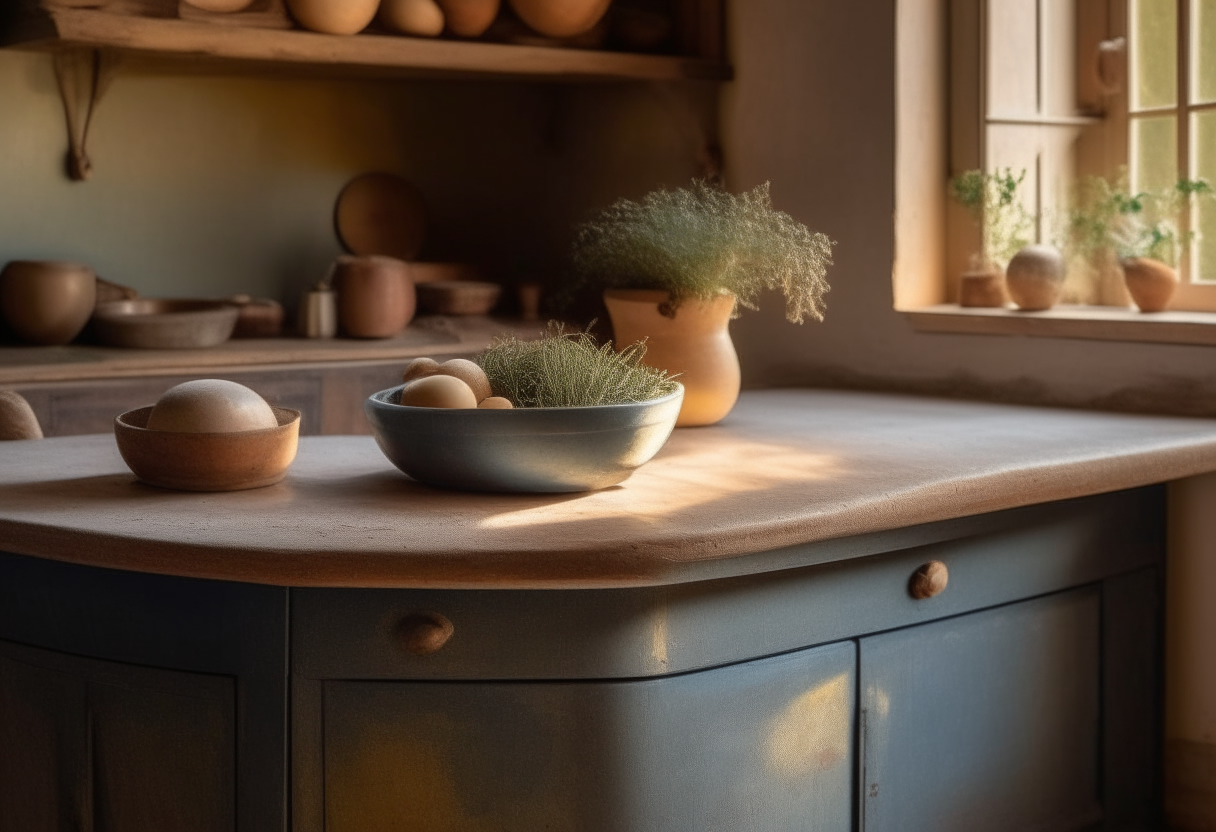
(676, 267)
(1142, 231)
(1006, 227)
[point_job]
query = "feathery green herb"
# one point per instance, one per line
(568, 369)
(991, 199)
(700, 241)
(1106, 216)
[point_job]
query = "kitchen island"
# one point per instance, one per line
(831, 611)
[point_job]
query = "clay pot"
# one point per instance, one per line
(694, 343)
(560, 18)
(1035, 277)
(419, 18)
(334, 17)
(469, 18)
(17, 419)
(1151, 283)
(47, 302)
(984, 289)
(375, 295)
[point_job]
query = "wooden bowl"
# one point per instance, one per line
(152, 324)
(457, 297)
(208, 461)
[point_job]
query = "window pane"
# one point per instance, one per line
(1154, 153)
(1203, 146)
(1203, 49)
(1155, 53)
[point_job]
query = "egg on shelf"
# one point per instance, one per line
(438, 391)
(421, 18)
(211, 405)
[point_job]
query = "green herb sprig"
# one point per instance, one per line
(569, 369)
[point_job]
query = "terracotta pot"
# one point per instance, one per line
(695, 343)
(469, 18)
(983, 289)
(1151, 283)
(560, 18)
(375, 295)
(47, 302)
(1035, 278)
(334, 17)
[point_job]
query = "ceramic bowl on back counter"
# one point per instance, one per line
(542, 449)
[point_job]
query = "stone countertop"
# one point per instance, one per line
(786, 474)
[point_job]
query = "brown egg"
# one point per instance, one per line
(470, 373)
(438, 391)
(560, 18)
(420, 368)
(333, 17)
(495, 403)
(421, 18)
(211, 405)
(469, 18)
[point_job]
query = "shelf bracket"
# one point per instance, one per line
(83, 75)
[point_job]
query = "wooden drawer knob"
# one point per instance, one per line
(929, 580)
(423, 633)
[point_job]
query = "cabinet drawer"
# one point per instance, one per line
(762, 745)
(573, 634)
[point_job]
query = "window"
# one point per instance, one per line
(1063, 89)
(1172, 119)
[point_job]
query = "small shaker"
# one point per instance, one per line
(319, 313)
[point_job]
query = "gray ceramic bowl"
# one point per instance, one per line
(528, 449)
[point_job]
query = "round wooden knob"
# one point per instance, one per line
(423, 633)
(929, 580)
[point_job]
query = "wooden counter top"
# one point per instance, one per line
(785, 468)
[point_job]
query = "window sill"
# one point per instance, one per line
(1102, 323)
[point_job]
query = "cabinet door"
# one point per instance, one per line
(764, 745)
(985, 721)
(86, 744)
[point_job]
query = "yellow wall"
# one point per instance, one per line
(207, 185)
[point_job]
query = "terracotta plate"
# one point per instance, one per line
(379, 213)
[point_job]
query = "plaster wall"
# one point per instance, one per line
(206, 184)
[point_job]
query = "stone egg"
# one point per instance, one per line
(438, 391)
(470, 373)
(495, 403)
(211, 405)
(420, 368)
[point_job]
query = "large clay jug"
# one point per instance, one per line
(375, 295)
(47, 302)
(694, 343)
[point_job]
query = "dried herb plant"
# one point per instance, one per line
(991, 199)
(568, 369)
(701, 241)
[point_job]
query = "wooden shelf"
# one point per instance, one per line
(58, 27)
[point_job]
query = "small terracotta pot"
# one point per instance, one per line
(984, 289)
(375, 295)
(1151, 283)
(469, 18)
(695, 343)
(334, 17)
(47, 302)
(1035, 278)
(560, 18)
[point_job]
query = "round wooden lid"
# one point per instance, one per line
(381, 213)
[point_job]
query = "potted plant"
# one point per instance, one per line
(1142, 231)
(1006, 227)
(676, 266)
